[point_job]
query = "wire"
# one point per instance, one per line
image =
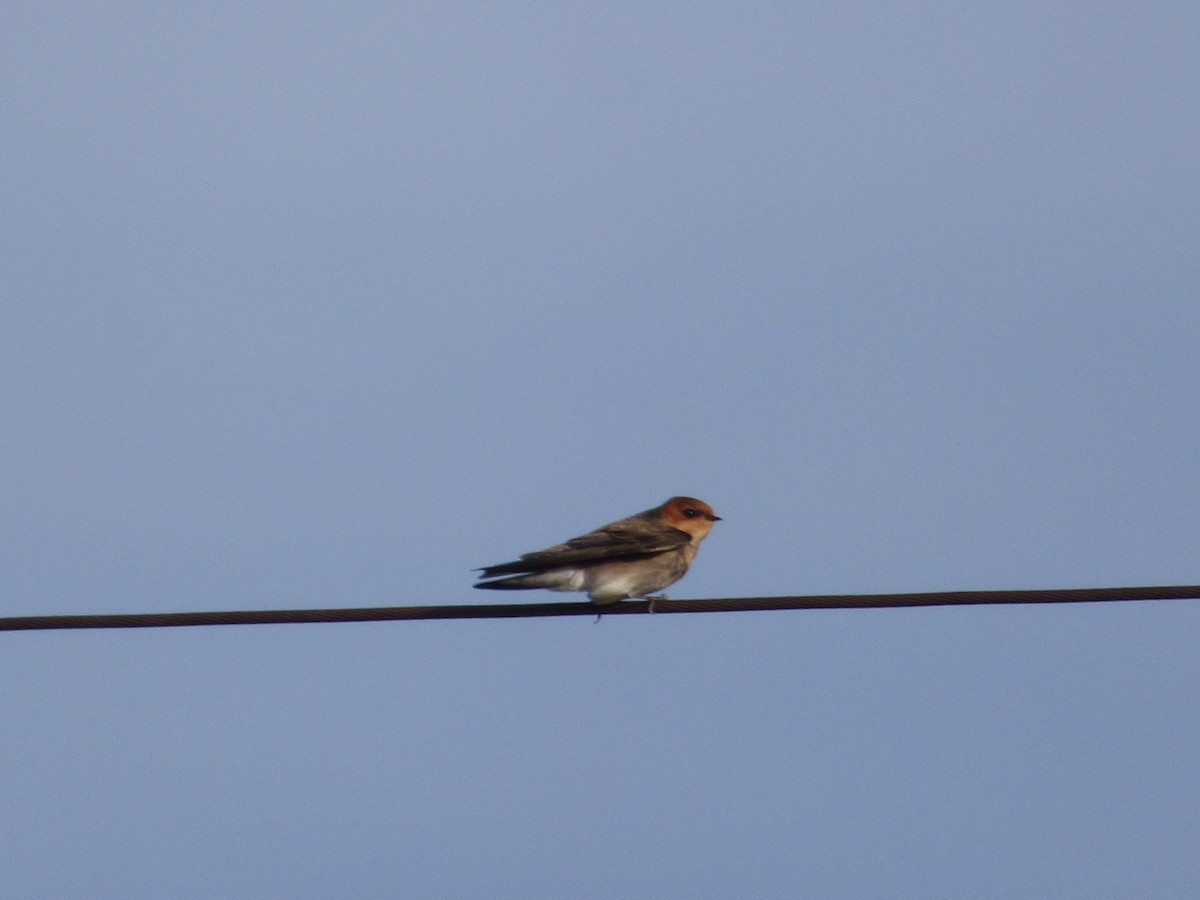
(627, 607)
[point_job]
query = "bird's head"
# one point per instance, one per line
(690, 515)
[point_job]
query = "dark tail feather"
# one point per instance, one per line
(515, 583)
(516, 567)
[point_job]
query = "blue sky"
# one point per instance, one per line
(314, 305)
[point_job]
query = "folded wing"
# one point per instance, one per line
(612, 542)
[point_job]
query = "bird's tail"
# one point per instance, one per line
(554, 581)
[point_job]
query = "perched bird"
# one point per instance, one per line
(631, 557)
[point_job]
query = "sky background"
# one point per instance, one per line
(308, 305)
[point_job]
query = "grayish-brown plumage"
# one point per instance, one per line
(632, 557)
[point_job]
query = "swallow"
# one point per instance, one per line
(631, 557)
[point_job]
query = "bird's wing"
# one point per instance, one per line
(627, 539)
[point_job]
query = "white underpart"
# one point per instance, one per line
(606, 582)
(607, 585)
(557, 579)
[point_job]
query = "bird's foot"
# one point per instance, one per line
(651, 598)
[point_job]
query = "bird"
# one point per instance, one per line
(631, 557)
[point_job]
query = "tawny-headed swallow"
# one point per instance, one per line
(631, 557)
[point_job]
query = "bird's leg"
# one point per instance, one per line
(650, 598)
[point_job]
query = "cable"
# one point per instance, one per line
(627, 607)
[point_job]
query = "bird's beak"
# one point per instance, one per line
(714, 518)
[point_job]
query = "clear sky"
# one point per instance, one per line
(307, 305)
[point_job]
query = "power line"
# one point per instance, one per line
(627, 607)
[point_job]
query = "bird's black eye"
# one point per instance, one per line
(691, 513)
